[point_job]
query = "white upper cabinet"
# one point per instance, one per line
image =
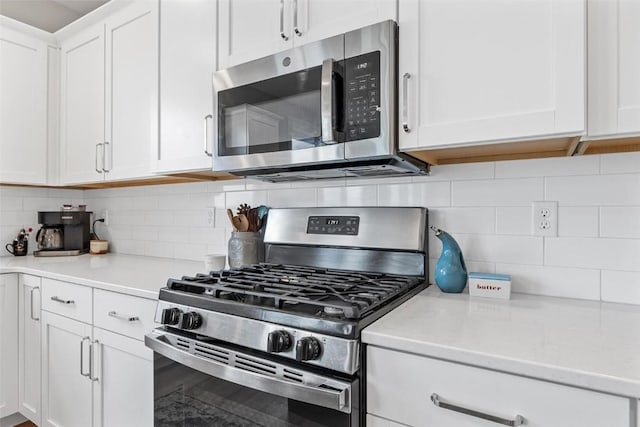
(82, 108)
(318, 19)
(132, 88)
(109, 92)
(614, 68)
(489, 71)
(188, 46)
(251, 29)
(23, 107)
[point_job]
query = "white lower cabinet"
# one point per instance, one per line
(373, 421)
(29, 347)
(123, 391)
(66, 375)
(8, 344)
(401, 387)
(92, 376)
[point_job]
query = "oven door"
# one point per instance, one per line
(281, 110)
(202, 383)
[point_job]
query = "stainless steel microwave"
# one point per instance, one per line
(326, 109)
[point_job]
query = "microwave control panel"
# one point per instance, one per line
(362, 82)
(344, 225)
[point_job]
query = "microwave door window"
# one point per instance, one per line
(279, 114)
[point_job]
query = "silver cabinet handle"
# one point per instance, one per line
(31, 308)
(295, 19)
(206, 135)
(91, 343)
(405, 106)
(98, 149)
(517, 421)
(82, 356)
(63, 301)
(104, 157)
(282, 34)
(123, 317)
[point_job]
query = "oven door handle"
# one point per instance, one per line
(331, 398)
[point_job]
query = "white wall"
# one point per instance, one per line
(485, 206)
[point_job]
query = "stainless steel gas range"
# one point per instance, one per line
(278, 343)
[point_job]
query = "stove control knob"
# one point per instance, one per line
(190, 320)
(170, 316)
(278, 341)
(307, 348)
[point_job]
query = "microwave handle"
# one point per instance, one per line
(326, 102)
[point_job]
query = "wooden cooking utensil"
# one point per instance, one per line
(243, 222)
(232, 219)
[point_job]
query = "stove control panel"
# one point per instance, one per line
(342, 225)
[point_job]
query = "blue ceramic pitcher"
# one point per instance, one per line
(451, 272)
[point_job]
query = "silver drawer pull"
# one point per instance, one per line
(405, 102)
(517, 421)
(63, 301)
(82, 357)
(124, 317)
(31, 309)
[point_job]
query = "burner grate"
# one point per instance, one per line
(324, 292)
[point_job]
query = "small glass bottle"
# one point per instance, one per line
(244, 248)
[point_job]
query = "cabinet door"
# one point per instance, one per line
(123, 392)
(188, 53)
(490, 71)
(8, 344)
(251, 29)
(23, 108)
(318, 19)
(66, 386)
(29, 347)
(82, 107)
(614, 67)
(132, 90)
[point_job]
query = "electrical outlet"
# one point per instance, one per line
(545, 219)
(211, 217)
(105, 215)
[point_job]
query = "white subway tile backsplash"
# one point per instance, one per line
(252, 198)
(621, 286)
(599, 253)
(554, 166)
(577, 221)
(595, 190)
(553, 281)
(292, 197)
(348, 196)
(499, 192)
(459, 172)
(425, 194)
(485, 206)
(622, 222)
(494, 248)
(464, 220)
(514, 220)
(159, 249)
(620, 163)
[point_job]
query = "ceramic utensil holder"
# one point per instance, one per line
(245, 248)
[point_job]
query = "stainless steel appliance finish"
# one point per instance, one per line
(280, 340)
(339, 354)
(338, 120)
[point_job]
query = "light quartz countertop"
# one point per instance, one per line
(135, 275)
(588, 344)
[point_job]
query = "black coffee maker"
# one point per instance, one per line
(63, 233)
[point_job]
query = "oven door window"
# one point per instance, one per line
(279, 114)
(187, 397)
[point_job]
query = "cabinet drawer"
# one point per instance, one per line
(400, 386)
(124, 314)
(67, 299)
